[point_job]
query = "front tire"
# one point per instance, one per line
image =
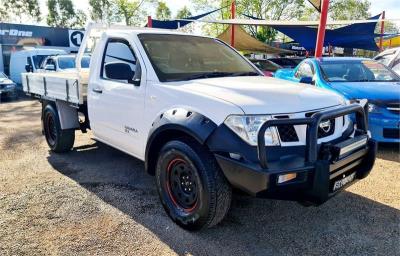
(59, 140)
(192, 188)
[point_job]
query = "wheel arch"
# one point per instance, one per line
(175, 124)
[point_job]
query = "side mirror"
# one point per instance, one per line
(50, 67)
(28, 68)
(307, 80)
(121, 71)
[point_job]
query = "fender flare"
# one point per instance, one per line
(178, 120)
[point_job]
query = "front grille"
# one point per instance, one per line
(394, 108)
(325, 132)
(322, 133)
(391, 133)
(287, 133)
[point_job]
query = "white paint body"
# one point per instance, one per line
(122, 105)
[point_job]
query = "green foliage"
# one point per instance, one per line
(349, 9)
(61, 13)
(129, 11)
(163, 12)
(262, 9)
(101, 10)
(19, 8)
(183, 13)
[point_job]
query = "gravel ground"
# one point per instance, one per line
(97, 200)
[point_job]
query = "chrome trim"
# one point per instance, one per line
(353, 146)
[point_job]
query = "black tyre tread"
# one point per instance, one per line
(66, 138)
(220, 188)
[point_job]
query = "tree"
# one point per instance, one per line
(349, 9)
(21, 9)
(129, 11)
(261, 9)
(183, 13)
(163, 12)
(63, 14)
(101, 10)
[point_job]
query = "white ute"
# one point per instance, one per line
(204, 120)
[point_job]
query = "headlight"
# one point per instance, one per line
(9, 86)
(247, 127)
(372, 108)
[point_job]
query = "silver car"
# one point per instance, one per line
(8, 89)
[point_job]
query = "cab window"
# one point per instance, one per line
(118, 51)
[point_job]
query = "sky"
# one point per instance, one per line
(392, 7)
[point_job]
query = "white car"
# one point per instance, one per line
(8, 89)
(390, 58)
(24, 60)
(61, 63)
(205, 120)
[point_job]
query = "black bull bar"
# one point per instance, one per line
(312, 129)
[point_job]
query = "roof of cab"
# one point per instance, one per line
(137, 31)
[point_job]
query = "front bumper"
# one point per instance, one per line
(385, 128)
(317, 172)
(8, 93)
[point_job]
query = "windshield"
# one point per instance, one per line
(357, 71)
(284, 62)
(38, 59)
(180, 57)
(69, 62)
(266, 65)
(386, 58)
(2, 75)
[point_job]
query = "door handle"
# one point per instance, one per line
(97, 90)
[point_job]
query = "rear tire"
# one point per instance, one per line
(59, 140)
(191, 186)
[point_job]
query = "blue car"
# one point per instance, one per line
(356, 78)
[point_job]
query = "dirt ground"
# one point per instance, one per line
(97, 200)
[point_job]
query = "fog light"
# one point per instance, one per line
(286, 177)
(235, 156)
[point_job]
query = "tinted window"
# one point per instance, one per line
(85, 62)
(385, 58)
(284, 62)
(266, 65)
(38, 60)
(69, 62)
(66, 62)
(356, 71)
(396, 67)
(118, 51)
(181, 57)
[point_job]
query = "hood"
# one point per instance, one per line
(264, 95)
(373, 91)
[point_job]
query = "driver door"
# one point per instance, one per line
(117, 106)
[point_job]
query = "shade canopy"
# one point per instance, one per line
(358, 35)
(245, 42)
